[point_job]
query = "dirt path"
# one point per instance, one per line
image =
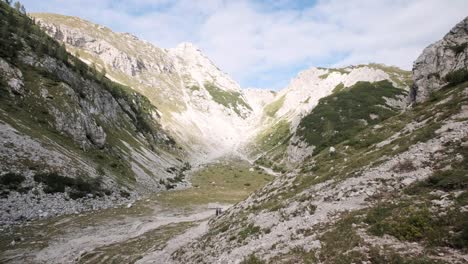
(164, 255)
(96, 240)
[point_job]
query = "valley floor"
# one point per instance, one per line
(147, 231)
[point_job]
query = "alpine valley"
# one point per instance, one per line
(113, 150)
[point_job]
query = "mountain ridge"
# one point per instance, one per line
(238, 124)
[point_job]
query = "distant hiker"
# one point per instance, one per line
(218, 211)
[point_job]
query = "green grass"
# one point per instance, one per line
(408, 223)
(324, 76)
(250, 230)
(338, 88)
(339, 242)
(229, 99)
(274, 136)
(271, 109)
(252, 259)
(223, 183)
(338, 117)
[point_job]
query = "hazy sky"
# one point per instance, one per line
(265, 43)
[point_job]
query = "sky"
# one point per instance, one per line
(264, 44)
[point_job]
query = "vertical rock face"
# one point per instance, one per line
(438, 60)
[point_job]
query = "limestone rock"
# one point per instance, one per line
(439, 59)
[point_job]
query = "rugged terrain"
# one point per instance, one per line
(382, 183)
(361, 164)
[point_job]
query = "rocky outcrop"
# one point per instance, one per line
(13, 78)
(439, 59)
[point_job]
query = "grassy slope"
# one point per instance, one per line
(347, 112)
(271, 109)
(229, 99)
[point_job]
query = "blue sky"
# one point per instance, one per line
(263, 43)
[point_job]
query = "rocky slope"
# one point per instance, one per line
(391, 191)
(72, 140)
(442, 62)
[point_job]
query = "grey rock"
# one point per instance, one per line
(439, 59)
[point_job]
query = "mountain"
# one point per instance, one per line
(201, 106)
(281, 139)
(72, 140)
(382, 183)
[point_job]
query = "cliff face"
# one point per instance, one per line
(438, 61)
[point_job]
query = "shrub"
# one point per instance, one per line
(53, 181)
(252, 259)
(459, 48)
(449, 180)
(404, 166)
(461, 239)
(251, 229)
(406, 223)
(13, 180)
(457, 77)
(124, 194)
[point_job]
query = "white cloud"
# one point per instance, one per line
(257, 40)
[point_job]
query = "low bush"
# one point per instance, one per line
(457, 77)
(250, 230)
(252, 259)
(404, 166)
(403, 222)
(53, 182)
(12, 180)
(79, 187)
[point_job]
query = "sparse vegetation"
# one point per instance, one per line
(271, 109)
(404, 166)
(250, 230)
(229, 99)
(405, 223)
(225, 182)
(457, 49)
(457, 77)
(79, 187)
(252, 259)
